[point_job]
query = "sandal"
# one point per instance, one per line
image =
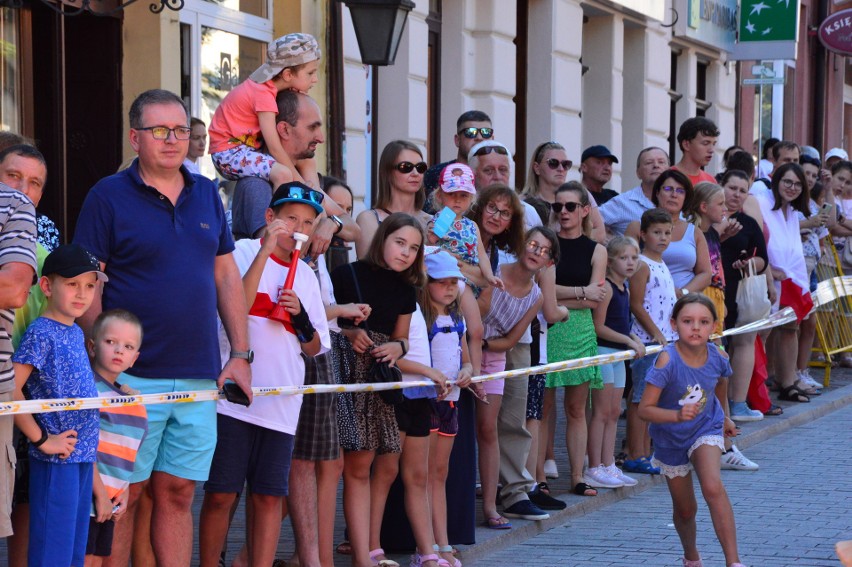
(543, 487)
(448, 549)
(417, 560)
(379, 552)
(583, 489)
(773, 411)
(805, 389)
(498, 523)
(344, 547)
(793, 394)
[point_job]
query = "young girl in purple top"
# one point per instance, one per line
(686, 401)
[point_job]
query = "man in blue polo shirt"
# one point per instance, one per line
(161, 236)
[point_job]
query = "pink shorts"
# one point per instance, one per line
(493, 362)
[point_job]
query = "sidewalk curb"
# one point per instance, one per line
(578, 506)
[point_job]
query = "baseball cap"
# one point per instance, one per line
(442, 265)
(71, 260)
(810, 151)
(457, 177)
(287, 51)
(598, 152)
(836, 152)
(295, 192)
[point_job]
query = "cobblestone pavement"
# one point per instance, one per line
(790, 512)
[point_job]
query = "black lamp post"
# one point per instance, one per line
(378, 26)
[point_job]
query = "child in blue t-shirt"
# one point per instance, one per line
(52, 362)
(686, 402)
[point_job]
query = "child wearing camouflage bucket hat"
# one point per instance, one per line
(246, 117)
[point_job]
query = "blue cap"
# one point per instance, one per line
(442, 265)
(598, 152)
(295, 192)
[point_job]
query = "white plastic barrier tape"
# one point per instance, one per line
(827, 291)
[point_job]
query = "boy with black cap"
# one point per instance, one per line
(255, 443)
(52, 362)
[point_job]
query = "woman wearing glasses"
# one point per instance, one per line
(548, 170)
(400, 190)
(787, 262)
(687, 257)
(578, 282)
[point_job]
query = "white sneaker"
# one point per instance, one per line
(598, 477)
(807, 380)
(616, 473)
(735, 460)
(550, 470)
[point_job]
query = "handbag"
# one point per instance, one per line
(381, 372)
(752, 296)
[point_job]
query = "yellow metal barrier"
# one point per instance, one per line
(834, 316)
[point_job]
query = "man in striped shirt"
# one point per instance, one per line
(17, 270)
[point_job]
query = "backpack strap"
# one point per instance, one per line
(457, 327)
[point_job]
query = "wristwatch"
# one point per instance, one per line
(338, 222)
(247, 355)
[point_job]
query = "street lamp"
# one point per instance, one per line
(378, 26)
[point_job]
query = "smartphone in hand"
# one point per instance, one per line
(234, 394)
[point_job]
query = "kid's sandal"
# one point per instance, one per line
(417, 560)
(381, 562)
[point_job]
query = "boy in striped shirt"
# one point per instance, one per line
(114, 347)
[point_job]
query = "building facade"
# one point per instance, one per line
(624, 73)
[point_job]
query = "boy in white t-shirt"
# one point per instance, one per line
(255, 443)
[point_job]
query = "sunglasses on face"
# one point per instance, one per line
(675, 190)
(570, 207)
(485, 150)
(407, 166)
(471, 133)
(554, 163)
(301, 193)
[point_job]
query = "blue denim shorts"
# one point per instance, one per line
(640, 367)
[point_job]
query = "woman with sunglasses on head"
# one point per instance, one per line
(400, 190)
(578, 284)
(548, 170)
(687, 257)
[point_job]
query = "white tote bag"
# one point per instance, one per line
(752, 296)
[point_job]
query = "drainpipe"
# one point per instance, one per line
(819, 82)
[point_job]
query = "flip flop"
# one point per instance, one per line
(498, 523)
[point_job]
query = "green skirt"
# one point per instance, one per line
(571, 340)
